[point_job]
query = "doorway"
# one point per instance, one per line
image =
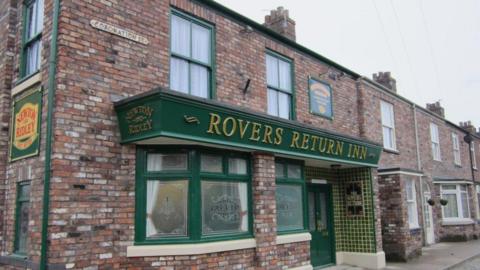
(320, 220)
(427, 208)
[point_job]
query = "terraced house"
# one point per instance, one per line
(182, 135)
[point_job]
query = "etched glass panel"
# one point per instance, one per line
(166, 162)
(166, 211)
(237, 166)
(294, 171)
(311, 211)
(224, 207)
(289, 207)
(279, 170)
(211, 163)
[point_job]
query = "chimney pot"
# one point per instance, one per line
(386, 79)
(280, 22)
(436, 108)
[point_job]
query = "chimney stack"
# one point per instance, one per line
(468, 127)
(436, 108)
(280, 22)
(385, 79)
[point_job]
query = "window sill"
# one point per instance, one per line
(415, 228)
(26, 83)
(189, 249)
(293, 238)
(459, 221)
(391, 151)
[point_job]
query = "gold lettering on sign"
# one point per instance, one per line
(118, 31)
(26, 126)
(139, 119)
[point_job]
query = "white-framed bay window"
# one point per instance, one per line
(388, 125)
(456, 150)
(411, 203)
(458, 206)
(435, 138)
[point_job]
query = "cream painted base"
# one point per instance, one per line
(304, 267)
(367, 260)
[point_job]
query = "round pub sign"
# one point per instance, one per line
(26, 122)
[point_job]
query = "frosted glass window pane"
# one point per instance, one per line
(289, 207)
(211, 163)
(224, 207)
(451, 209)
(279, 170)
(283, 105)
(180, 39)
(311, 211)
(272, 100)
(285, 79)
(200, 43)
(272, 71)
(166, 162)
(294, 171)
(166, 211)
(465, 210)
(199, 81)
(179, 75)
(237, 166)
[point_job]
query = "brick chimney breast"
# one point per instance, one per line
(386, 79)
(436, 108)
(280, 22)
(468, 127)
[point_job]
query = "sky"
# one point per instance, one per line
(431, 47)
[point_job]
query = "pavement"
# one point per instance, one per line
(441, 256)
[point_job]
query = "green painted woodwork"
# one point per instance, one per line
(26, 124)
(22, 205)
(163, 113)
(195, 177)
(322, 245)
(26, 42)
(286, 182)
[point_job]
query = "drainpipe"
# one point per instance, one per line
(469, 139)
(419, 167)
(52, 66)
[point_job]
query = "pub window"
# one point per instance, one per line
(456, 150)
(279, 86)
(435, 142)
(192, 196)
(457, 206)
(21, 220)
(191, 55)
(32, 37)
(388, 125)
(290, 196)
(411, 203)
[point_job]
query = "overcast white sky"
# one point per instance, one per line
(432, 47)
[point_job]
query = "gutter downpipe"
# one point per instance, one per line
(52, 62)
(419, 167)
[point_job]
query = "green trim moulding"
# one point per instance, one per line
(164, 113)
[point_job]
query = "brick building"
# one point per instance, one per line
(180, 134)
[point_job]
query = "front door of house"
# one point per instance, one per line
(429, 229)
(320, 219)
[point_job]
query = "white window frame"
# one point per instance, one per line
(474, 158)
(385, 125)
(412, 216)
(458, 194)
(435, 139)
(457, 160)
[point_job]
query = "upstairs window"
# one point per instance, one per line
(388, 125)
(474, 158)
(279, 86)
(412, 204)
(456, 150)
(32, 38)
(191, 56)
(435, 142)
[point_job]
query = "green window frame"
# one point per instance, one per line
(279, 84)
(22, 213)
(287, 183)
(33, 13)
(196, 227)
(189, 63)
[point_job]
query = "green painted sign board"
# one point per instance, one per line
(164, 113)
(26, 117)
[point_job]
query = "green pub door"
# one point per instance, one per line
(320, 219)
